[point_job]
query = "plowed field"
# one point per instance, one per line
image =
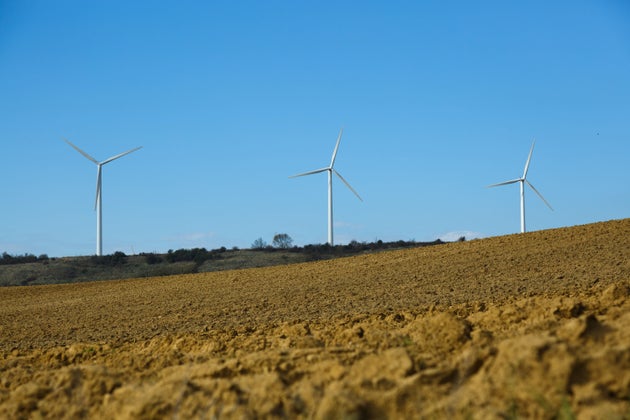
(534, 325)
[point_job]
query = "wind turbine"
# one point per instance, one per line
(522, 181)
(98, 204)
(330, 169)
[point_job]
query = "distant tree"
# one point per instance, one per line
(117, 258)
(152, 258)
(259, 244)
(6, 258)
(198, 255)
(282, 240)
(17, 259)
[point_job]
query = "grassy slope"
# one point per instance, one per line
(82, 269)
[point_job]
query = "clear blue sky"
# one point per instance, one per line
(437, 99)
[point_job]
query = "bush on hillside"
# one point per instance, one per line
(152, 258)
(112, 260)
(198, 255)
(6, 258)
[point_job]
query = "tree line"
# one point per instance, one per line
(6, 258)
(280, 241)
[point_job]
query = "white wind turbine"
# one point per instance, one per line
(98, 204)
(523, 180)
(330, 169)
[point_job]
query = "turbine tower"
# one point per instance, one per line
(330, 169)
(98, 204)
(522, 181)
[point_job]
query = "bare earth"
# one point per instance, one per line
(534, 325)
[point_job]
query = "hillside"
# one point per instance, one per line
(30, 270)
(531, 325)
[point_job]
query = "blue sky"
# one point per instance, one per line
(438, 99)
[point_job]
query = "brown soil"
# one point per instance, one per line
(533, 325)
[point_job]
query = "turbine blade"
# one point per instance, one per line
(310, 172)
(347, 184)
(334, 156)
(529, 158)
(98, 186)
(504, 183)
(80, 151)
(539, 194)
(120, 155)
